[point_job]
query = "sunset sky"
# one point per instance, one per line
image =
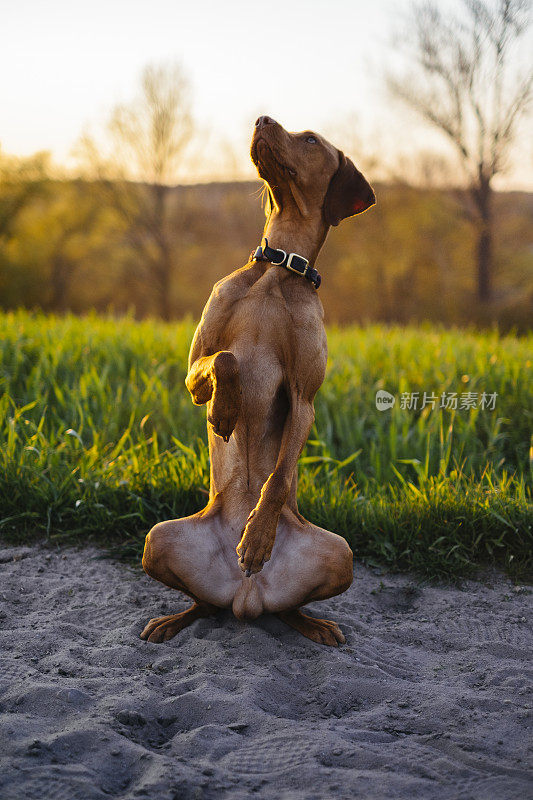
(310, 64)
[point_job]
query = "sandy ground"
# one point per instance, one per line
(429, 698)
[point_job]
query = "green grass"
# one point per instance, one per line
(99, 440)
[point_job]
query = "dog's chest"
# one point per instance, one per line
(277, 335)
(265, 314)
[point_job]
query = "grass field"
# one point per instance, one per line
(99, 440)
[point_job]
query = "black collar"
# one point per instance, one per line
(291, 261)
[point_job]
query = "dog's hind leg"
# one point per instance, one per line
(308, 564)
(161, 629)
(186, 554)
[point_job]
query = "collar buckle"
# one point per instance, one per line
(301, 264)
(291, 261)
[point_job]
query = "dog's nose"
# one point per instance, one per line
(262, 121)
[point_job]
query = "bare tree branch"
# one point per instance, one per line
(150, 137)
(464, 86)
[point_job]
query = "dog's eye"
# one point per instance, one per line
(311, 140)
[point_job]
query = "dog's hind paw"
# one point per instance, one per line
(321, 631)
(161, 629)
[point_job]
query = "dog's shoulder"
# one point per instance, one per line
(236, 285)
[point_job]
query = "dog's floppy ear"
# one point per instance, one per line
(348, 193)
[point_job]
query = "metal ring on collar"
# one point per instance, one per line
(278, 263)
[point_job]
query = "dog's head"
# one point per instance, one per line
(307, 169)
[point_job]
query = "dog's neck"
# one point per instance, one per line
(290, 231)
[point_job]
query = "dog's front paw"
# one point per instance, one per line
(256, 542)
(223, 411)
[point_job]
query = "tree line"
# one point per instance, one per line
(122, 236)
(67, 246)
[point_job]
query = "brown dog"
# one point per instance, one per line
(257, 359)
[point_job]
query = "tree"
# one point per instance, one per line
(72, 222)
(149, 138)
(466, 86)
(21, 181)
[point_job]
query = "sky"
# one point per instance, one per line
(310, 64)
